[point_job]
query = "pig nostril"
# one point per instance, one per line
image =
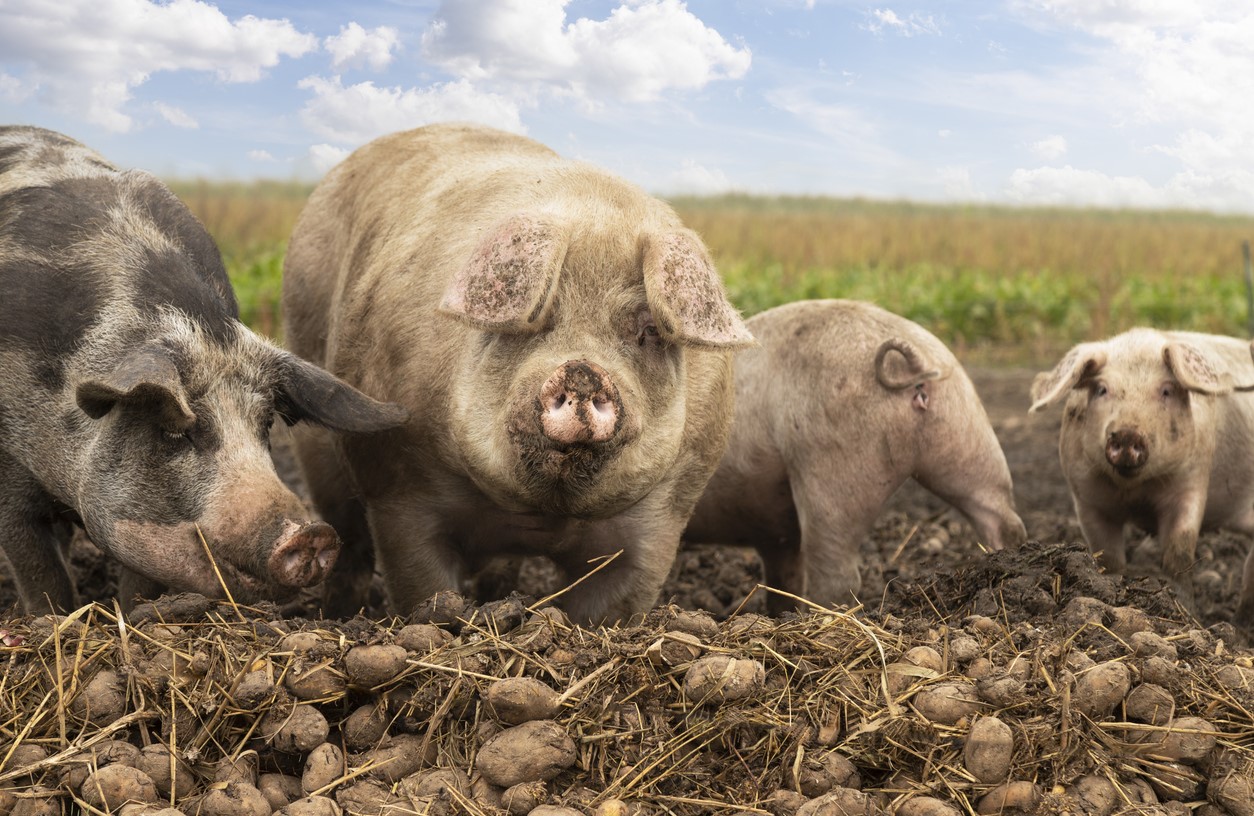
(558, 402)
(603, 406)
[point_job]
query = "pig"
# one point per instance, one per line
(1156, 434)
(563, 344)
(133, 402)
(839, 405)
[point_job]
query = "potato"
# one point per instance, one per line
(422, 638)
(279, 789)
(1082, 610)
(554, 810)
(310, 806)
(1149, 644)
(300, 642)
(520, 799)
(839, 802)
(1127, 621)
(964, 649)
(435, 782)
(323, 766)
(235, 799)
(367, 797)
(989, 750)
(784, 802)
(1166, 673)
(24, 755)
(948, 702)
(1100, 689)
(721, 678)
(102, 700)
(370, 666)
(1234, 677)
(921, 662)
(7, 801)
(365, 727)
(819, 773)
(674, 649)
(110, 752)
(534, 751)
(38, 804)
(616, 807)
(1000, 689)
(145, 809)
(1149, 703)
(486, 795)
(111, 786)
(397, 757)
(926, 806)
(1173, 782)
(1187, 739)
(1008, 798)
(242, 768)
(1095, 795)
(1233, 790)
(516, 700)
(167, 773)
(299, 731)
(317, 681)
(253, 689)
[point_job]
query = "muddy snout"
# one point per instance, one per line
(1127, 451)
(579, 404)
(303, 554)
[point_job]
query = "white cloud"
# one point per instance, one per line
(697, 179)
(176, 116)
(912, 25)
(957, 184)
(260, 155)
(86, 56)
(944, 133)
(325, 156)
(355, 46)
(1050, 148)
(642, 50)
(357, 113)
(12, 89)
(1067, 186)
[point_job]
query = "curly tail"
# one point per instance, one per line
(918, 373)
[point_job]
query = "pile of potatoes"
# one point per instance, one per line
(195, 707)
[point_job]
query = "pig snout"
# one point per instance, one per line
(580, 404)
(1127, 451)
(303, 554)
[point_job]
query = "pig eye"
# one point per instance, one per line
(1100, 390)
(646, 331)
(1167, 391)
(175, 438)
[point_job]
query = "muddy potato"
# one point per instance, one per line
(1187, 739)
(1149, 703)
(1094, 795)
(675, 648)
(554, 810)
(522, 798)
(364, 728)
(297, 732)
(113, 785)
(311, 806)
(722, 678)
(368, 797)
(821, 772)
(317, 681)
(926, 806)
(1012, 797)
(921, 662)
(436, 782)
(989, 750)
(534, 751)
(279, 789)
(840, 801)
(516, 700)
(23, 755)
(242, 768)
(1233, 790)
(234, 799)
(948, 702)
(102, 700)
(399, 756)
(1100, 689)
(169, 774)
(254, 688)
(324, 765)
(422, 638)
(39, 801)
(1173, 781)
(370, 666)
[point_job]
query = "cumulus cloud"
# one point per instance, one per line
(355, 114)
(261, 155)
(12, 89)
(1068, 186)
(911, 25)
(325, 156)
(355, 47)
(176, 116)
(86, 56)
(1050, 148)
(642, 50)
(694, 178)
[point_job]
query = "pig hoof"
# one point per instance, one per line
(304, 555)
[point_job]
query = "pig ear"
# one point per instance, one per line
(1082, 362)
(1196, 370)
(907, 372)
(686, 295)
(509, 281)
(307, 393)
(146, 376)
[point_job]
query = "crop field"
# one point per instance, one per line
(996, 284)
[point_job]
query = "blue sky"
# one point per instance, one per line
(1074, 102)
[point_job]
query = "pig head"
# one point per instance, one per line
(565, 340)
(1154, 434)
(131, 399)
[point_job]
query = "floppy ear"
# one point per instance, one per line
(1196, 370)
(307, 393)
(911, 370)
(147, 376)
(1082, 362)
(686, 295)
(509, 281)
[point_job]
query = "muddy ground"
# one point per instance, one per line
(918, 542)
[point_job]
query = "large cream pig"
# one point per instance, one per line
(563, 344)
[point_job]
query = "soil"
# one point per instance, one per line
(917, 551)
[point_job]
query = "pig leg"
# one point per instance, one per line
(35, 551)
(1104, 536)
(1178, 527)
(133, 586)
(991, 511)
(418, 555)
(1244, 617)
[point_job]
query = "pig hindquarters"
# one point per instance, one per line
(1155, 434)
(563, 345)
(132, 401)
(841, 403)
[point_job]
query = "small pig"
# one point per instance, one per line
(837, 407)
(132, 401)
(1155, 433)
(564, 346)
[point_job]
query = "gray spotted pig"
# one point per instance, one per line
(1156, 434)
(838, 407)
(564, 346)
(132, 401)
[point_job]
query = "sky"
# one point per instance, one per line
(1105, 103)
